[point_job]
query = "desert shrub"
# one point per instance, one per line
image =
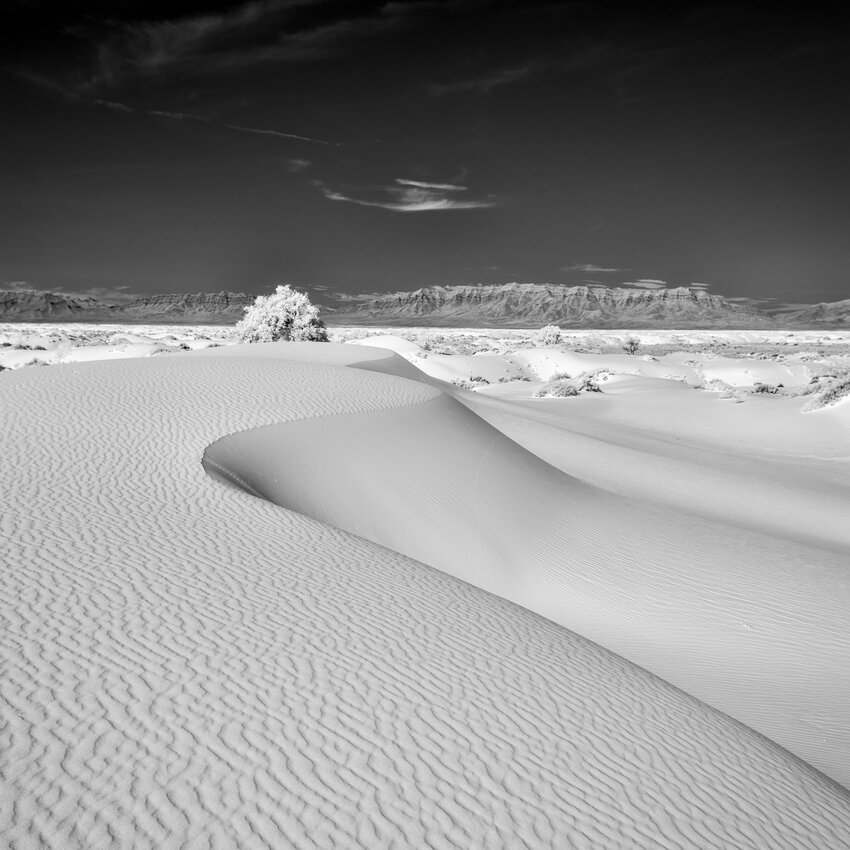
(767, 389)
(548, 335)
(557, 389)
(829, 396)
(589, 384)
(562, 386)
(284, 315)
(471, 384)
(631, 345)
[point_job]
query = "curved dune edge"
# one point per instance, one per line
(754, 626)
(188, 666)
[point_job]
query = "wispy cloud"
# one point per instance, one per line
(412, 196)
(296, 165)
(172, 115)
(113, 105)
(258, 131)
(791, 141)
(447, 187)
(581, 56)
(590, 267)
(645, 283)
(485, 83)
(178, 116)
(741, 299)
(281, 135)
(251, 34)
(762, 303)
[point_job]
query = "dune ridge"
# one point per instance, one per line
(185, 665)
(708, 607)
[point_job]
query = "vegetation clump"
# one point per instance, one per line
(548, 336)
(285, 315)
(834, 393)
(563, 386)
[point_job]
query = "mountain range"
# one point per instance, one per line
(213, 308)
(508, 305)
(532, 305)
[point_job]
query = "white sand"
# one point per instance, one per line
(186, 665)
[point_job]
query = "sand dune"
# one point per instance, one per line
(186, 665)
(709, 607)
(763, 467)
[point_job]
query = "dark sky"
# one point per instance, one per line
(178, 146)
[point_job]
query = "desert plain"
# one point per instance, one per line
(424, 588)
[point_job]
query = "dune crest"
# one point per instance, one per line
(709, 607)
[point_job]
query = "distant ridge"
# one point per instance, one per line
(508, 305)
(533, 305)
(202, 308)
(30, 305)
(214, 308)
(829, 314)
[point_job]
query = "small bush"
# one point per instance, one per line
(828, 397)
(767, 389)
(557, 389)
(631, 345)
(588, 384)
(548, 335)
(562, 386)
(471, 384)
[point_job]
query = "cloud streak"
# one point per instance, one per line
(486, 83)
(590, 267)
(412, 196)
(252, 34)
(172, 115)
(645, 283)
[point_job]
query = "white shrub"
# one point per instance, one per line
(835, 392)
(562, 386)
(284, 315)
(550, 335)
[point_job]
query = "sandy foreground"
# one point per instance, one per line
(311, 596)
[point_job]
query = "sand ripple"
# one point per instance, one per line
(184, 666)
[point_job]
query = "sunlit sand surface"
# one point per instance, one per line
(312, 596)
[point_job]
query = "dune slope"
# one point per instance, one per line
(694, 453)
(185, 665)
(754, 625)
